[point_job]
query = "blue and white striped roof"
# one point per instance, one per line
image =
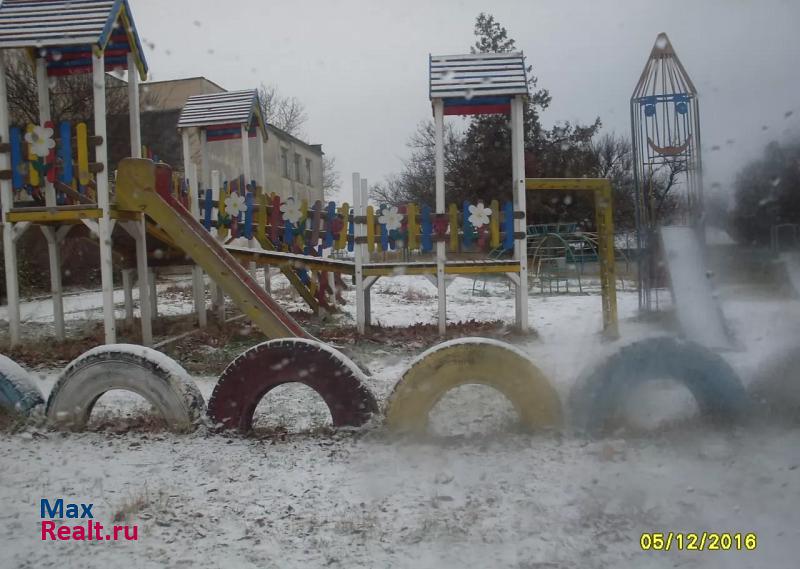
(229, 107)
(44, 23)
(478, 75)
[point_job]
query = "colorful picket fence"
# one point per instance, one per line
(60, 156)
(243, 210)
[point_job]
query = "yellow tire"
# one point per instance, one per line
(472, 361)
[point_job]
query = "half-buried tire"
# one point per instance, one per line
(18, 394)
(264, 367)
(599, 394)
(472, 361)
(144, 371)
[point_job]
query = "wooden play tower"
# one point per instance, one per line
(67, 38)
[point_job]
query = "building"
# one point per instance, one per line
(293, 167)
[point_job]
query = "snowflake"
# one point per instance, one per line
(291, 210)
(391, 217)
(41, 140)
(234, 205)
(479, 215)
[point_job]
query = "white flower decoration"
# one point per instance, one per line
(291, 210)
(479, 215)
(40, 140)
(234, 205)
(391, 217)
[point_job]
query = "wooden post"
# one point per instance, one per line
(205, 166)
(187, 154)
(127, 289)
(198, 282)
(151, 277)
(133, 107)
(245, 155)
(519, 198)
(217, 294)
(146, 303)
(441, 255)
(359, 210)
(262, 165)
(54, 253)
(105, 225)
(43, 90)
(6, 201)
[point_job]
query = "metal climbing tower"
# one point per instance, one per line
(665, 125)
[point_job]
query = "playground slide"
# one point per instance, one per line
(698, 311)
(136, 191)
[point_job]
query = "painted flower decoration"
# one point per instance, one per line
(40, 139)
(291, 210)
(391, 217)
(479, 215)
(234, 205)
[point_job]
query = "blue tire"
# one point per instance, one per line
(18, 394)
(597, 396)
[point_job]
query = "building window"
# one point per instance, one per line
(308, 172)
(285, 162)
(297, 168)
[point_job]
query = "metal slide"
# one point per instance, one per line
(136, 191)
(698, 311)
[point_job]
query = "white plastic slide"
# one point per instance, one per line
(698, 311)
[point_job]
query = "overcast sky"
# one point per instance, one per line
(360, 67)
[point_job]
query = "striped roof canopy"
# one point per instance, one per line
(66, 31)
(477, 83)
(223, 114)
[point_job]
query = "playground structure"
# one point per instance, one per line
(215, 223)
(208, 224)
(67, 39)
(665, 127)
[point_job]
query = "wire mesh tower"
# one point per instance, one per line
(665, 125)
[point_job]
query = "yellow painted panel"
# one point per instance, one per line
(370, 229)
(344, 212)
(33, 173)
(494, 225)
(413, 227)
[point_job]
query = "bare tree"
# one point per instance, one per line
(285, 113)
(70, 96)
(331, 180)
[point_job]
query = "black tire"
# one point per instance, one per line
(18, 394)
(596, 397)
(144, 371)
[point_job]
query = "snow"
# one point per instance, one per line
(369, 499)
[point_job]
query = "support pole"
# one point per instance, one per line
(127, 289)
(359, 249)
(133, 107)
(105, 225)
(146, 293)
(151, 278)
(441, 255)
(198, 282)
(54, 253)
(519, 198)
(43, 90)
(6, 202)
(246, 155)
(217, 294)
(262, 166)
(205, 163)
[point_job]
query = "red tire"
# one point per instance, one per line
(252, 375)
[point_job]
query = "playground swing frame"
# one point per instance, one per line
(604, 218)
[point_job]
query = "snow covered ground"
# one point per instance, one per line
(477, 493)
